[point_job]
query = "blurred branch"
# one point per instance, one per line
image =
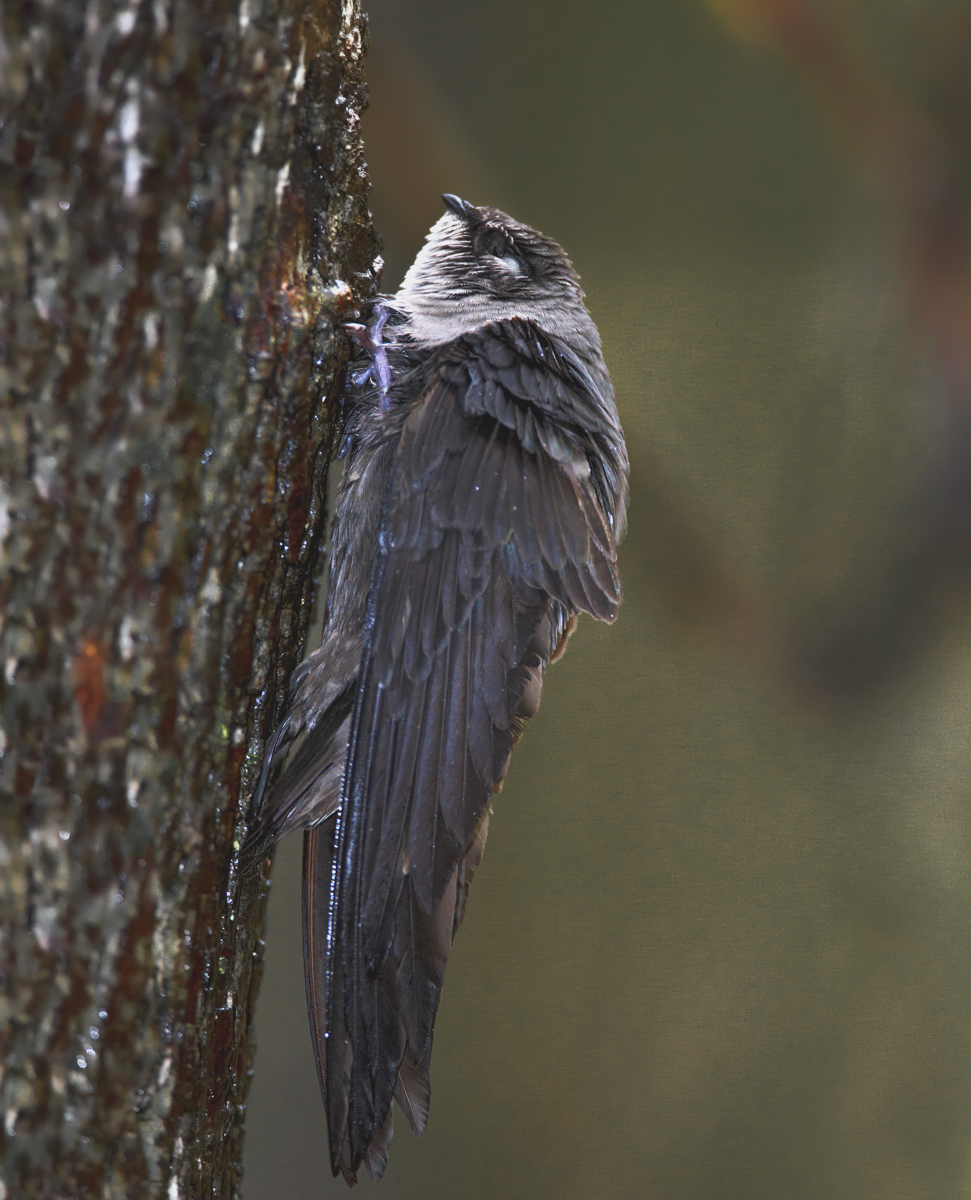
(917, 167)
(913, 163)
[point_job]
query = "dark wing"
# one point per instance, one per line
(508, 476)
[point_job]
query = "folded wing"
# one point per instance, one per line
(500, 524)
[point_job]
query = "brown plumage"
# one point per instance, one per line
(484, 492)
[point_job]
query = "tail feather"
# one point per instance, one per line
(332, 1048)
(413, 1092)
(376, 1155)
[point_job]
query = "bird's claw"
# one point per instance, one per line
(369, 338)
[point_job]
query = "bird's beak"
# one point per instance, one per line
(461, 208)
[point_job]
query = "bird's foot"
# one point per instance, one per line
(370, 339)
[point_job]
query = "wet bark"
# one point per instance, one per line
(183, 223)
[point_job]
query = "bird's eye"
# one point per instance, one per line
(498, 250)
(510, 263)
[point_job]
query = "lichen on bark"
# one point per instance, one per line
(183, 226)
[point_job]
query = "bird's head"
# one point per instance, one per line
(479, 265)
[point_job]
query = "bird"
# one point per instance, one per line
(483, 495)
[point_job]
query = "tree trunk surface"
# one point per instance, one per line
(183, 225)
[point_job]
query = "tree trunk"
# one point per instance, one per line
(183, 225)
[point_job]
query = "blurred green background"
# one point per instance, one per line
(719, 943)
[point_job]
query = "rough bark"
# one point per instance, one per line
(183, 223)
